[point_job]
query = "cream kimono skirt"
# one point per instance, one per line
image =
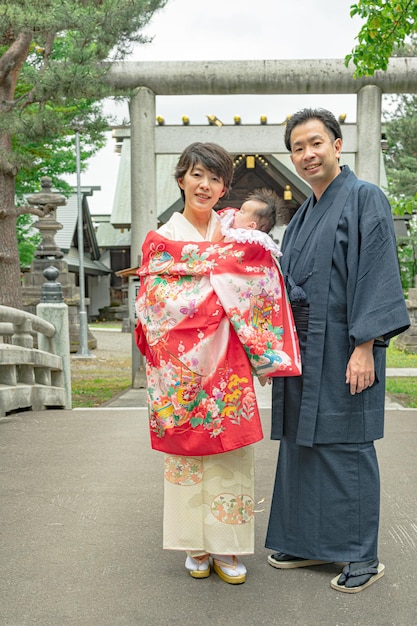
(209, 503)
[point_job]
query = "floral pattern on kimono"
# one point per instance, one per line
(209, 316)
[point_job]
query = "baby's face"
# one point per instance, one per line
(246, 216)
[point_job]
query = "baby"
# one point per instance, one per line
(252, 222)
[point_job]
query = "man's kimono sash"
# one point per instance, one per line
(209, 315)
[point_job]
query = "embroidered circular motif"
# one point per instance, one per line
(182, 470)
(231, 509)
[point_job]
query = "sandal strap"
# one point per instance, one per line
(222, 563)
(351, 570)
(201, 558)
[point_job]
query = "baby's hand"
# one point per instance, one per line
(264, 380)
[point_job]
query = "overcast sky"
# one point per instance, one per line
(234, 29)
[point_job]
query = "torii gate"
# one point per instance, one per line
(304, 77)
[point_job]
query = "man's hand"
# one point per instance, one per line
(360, 371)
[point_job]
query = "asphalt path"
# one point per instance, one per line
(81, 532)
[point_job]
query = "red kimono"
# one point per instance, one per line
(209, 316)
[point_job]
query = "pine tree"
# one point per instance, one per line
(53, 57)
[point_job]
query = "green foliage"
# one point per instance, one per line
(401, 155)
(60, 50)
(407, 256)
(404, 206)
(27, 239)
(54, 56)
(399, 358)
(387, 23)
(403, 390)
(97, 391)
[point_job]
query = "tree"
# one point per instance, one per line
(401, 133)
(388, 23)
(401, 155)
(27, 241)
(53, 57)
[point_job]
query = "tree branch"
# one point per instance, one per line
(14, 57)
(30, 97)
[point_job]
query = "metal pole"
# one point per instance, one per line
(83, 349)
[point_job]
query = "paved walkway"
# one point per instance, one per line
(81, 524)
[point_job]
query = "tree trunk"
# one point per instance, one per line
(10, 285)
(11, 62)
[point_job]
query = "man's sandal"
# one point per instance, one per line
(286, 561)
(356, 577)
(229, 569)
(198, 566)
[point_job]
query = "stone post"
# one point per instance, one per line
(53, 309)
(368, 155)
(143, 194)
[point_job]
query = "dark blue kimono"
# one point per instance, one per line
(341, 250)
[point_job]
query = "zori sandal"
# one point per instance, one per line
(356, 577)
(286, 561)
(198, 566)
(229, 569)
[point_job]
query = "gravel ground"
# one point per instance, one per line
(111, 343)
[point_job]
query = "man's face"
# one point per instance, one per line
(315, 154)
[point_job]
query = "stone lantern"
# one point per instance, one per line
(49, 254)
(47, 225)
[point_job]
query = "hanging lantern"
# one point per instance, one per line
(287, 193)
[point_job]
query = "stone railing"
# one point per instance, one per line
(35, 378)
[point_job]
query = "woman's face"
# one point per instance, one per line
(202, 188)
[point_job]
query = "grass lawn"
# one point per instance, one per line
(95, 383)
(398, 358)
(403, 390)
(94, 392)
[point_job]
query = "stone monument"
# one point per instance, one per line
(49, 254)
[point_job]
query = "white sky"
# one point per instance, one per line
(234, 29)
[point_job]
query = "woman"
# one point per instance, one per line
(203, 333)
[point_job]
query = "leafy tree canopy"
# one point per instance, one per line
(401, 133)
(401, 156)
(53, 57)
(387, 23)
(27, 239)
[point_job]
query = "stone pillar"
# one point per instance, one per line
(53, 309)
(368, 155)
(143, 169)
(143, 194)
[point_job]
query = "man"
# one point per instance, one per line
(339, 259)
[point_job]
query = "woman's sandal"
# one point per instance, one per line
(225, 570)
(356, 577)
(198, 566)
